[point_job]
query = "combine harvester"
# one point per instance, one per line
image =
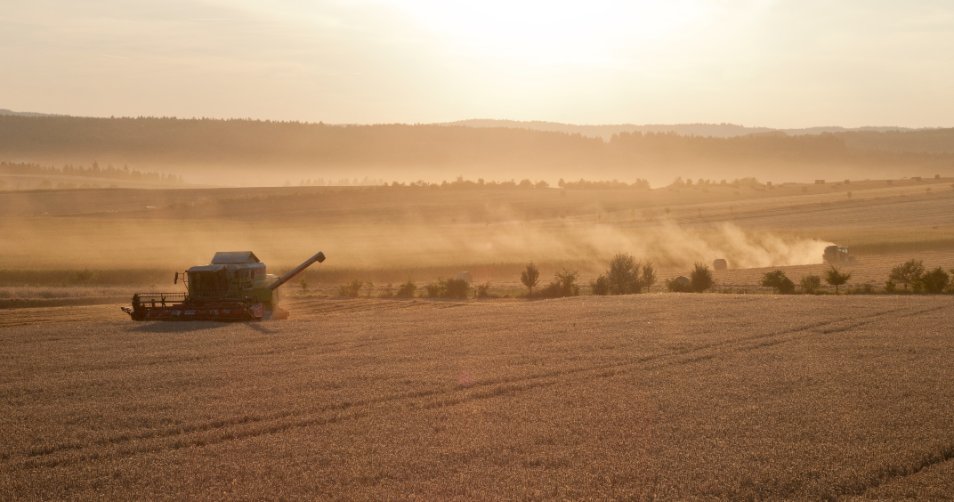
(837, 255)
(234, 287)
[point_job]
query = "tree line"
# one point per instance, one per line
(93, 170)
(249, 143)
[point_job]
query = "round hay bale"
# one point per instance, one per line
(720, 264)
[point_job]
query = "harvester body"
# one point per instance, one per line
(234, 287)
(837, 255)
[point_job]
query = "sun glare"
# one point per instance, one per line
(554, 33)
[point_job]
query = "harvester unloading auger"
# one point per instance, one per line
(234, 287)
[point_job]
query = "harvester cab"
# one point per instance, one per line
(234, 287)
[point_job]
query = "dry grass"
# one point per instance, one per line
(670, 396)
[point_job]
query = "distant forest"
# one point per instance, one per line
(296, 151)
(31, 176)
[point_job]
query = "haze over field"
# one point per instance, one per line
(602, 249)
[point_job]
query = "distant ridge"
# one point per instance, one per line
(4, 111)
(207, 151)
(606, 131)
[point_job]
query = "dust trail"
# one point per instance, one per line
(666, 244)
(162, 244)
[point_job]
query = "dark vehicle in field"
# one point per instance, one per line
(234, 287)
(836, 255)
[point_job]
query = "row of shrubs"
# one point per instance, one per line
(442, 288)
(911, 274)
(626, 275)
(810, 284)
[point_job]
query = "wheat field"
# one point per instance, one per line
(737, 394)
(647, 396)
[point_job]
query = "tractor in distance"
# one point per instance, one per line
(837, 255)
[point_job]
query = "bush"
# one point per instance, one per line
(600, 286)
(350, 290)
(624, 276)
(701, 278)
(935, 281)
(836, 278)
(908, 273)
(648, 277)
(811, 283)
(679, 285)
(529, 277)
(456, 288)
(564, 284)
(434, 289)
(450, 288)
(890, 286)
(778, 281)
(483, 291)
(406, 290)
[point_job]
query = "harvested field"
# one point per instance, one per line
(671, 396)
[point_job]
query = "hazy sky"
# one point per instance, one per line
(753, 62)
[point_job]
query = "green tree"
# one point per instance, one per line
(435, 289)
(810, 284)
(908, 273)
(648, 276)
(564, 284)
(623, 275)
(350, 290)
(836, 278)
(778, 281)
(701, 278)
(406, 290)
(935, 281)
(567, 281)
(456, 288)
(529, 277)
(679, 285)
(483, 291)
(600, 286)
